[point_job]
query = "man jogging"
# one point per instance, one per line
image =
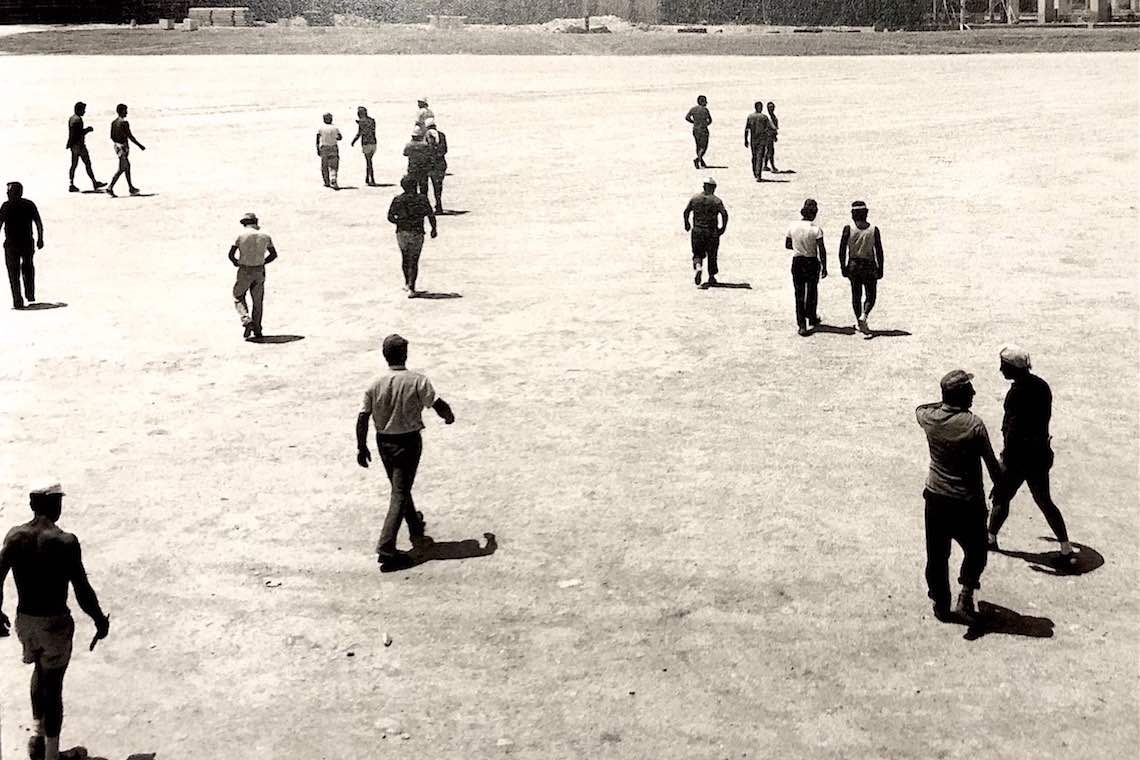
(394, 403)
(864, 268)
(809, 265)
(327, 138)
(710, 220)
(955, 502)
(366, 134)
(121, 138)
(77, 144)
(758, 133)
(44, 560)
(700, 117)
(17, 215)
(407, 212)
(1027, 455)
(248, 255)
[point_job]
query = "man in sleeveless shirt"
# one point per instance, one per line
(248, 255)
(700, 118)
(864, 266)
(710, 220)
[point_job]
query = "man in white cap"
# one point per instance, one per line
(423, 113)
(44, 560)
(710, 220)
(327, 138)
(955, 500)
(864, 268)
(248, 254)
(1027, 454)
(419, 155)
(809, 265)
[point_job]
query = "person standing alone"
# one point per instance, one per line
(809, 265)
(17, 215)
(366, 134)
(700, 117)
(248, 254)
(327, 138)
(710, 220)
(864, 268)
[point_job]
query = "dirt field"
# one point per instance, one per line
(740, 507)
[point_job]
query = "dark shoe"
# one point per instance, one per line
(421, 542)
(73, 189)
(18, 306)
(703, 164)
(248, 331)
(111, 192)
(804, 332)
(135, 191)
(394, 560)
(36, 748)
(712, 280)
(439, 209)
(965, 609)
(697, 277)
(942, 613)
(257, 333)
(696, 163)
(99, 185)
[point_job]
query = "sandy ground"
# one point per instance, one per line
(740, 506)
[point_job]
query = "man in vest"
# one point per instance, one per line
(864, 267)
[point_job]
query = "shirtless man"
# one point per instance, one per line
(44, 560)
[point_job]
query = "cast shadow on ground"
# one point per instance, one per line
(43, 306)
(993, 618)
(1053, 563)
(833, 329)
(383, 184)
(347, 187)
(81, 752)
(276, 339)
(136, 195)
(777, 181)
(427, 294)
(93, 192)
(451, 212)
(444, 550)
(736, 285)
(781, 171)
(872, 334)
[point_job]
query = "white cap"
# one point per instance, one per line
(46, 488)
(710, 181)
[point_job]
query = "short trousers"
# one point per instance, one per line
(862, 270)
(123, 151)
(46, 640)
(369, 150)
(80, 150)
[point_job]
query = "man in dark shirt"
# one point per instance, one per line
(419, 155)
(17, 215)
(366, 134)
(955, 501)
(407, 212)
(758, 134)
(437, 141)
(772, 117)
(77, 144)
(121, 138)
(1027, 455)
(44, 561)
(710, 220)
(700, 117)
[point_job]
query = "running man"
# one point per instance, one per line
(1027, 455)
(407, 212)
(17, 215)
(248, 255)
(775, 136)
(77, 144)
(710, 220)
(437, 141)
(121, 138)
(865, 267)
(366, 134)
(955, 502)
(420, 159)
(44, 560)
(700, 118)
(395, 403)
(758, 133)
(809, 265)
(327, 138)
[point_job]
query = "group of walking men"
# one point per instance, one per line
(121, 139)
(761, 131)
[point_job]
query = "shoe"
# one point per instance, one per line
(964, 609)
(697, 277)
(72, 189)
(942, 613)
(804, 332)
(111, 192)
(422, 542)
(257, 333)
(248, 331)
(413, 293)
(335, 186)
(712, 280)
(696, 163)
(394, 560)
(862, 325)
(328, 185)
(439, 209)
(98, 185)
(135, 191)
(36, 748)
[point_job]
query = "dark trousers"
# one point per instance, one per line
(859, 286)
(706, 245)
(1033, 470)
(701, 138)
(18, 260)
(959, 520)
(421, 183)
(805, 280)
(761, 150)
(401, 457)
(437, 187)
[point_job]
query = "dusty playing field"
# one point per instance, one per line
(740, 506)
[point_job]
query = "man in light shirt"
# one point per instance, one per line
(394, 402)
(809, 265)
(423, 113)
(327, 138)
(248, 254)
(864, 268)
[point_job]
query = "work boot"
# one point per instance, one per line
(72, 189)
(965, 607)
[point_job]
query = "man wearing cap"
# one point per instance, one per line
(420, 159)
(700, 117)
(865, 267)
(121, 138)
(758, 133)
(44, 560)
(77, 144)
(1027, 454)
(955, 501)
(17, 215)
(366, 134)
(809, 265)
(327, 138)
(248, 254)
(394, 403)
(407, 212)
(710, 220)
(437, 142)
(423, 113)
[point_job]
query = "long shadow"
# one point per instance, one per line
(993, 618)
(1086, 560)
(136, 195)
(436, 296)
(774, 181)
(781, 171)
(276, 339)
(832, 329)
(347, 187)
(42, 306)
(444, 550)
(736, 285)
(452, 212)
(710, 166)
(872, 334)
(93, 192)
(383, 184)
(79, 751)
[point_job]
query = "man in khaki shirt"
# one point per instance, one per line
(394, 403)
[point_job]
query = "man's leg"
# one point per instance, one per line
(799, 286)
(811, 292)
(970, 533)
(937, 555)
(422, 184)
(130, 182)
(90, 172)
(437, 188)
(871, 285)
(12, 264)
(257, 293)
(772, 156)
(403, 240)
(401, 456)
(713, 249)
(757, 169)
(856, 296)
(28, 269)
(325, 168)
(74, 164)
(241, 287)
(415, 248)
(1004, 492)
(334, 167)
(51, 690)
(1038, 482)
(697, 243)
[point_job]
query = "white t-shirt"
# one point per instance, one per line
(804, 235)
(329, 134)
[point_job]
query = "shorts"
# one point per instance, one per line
(123, 151)
(369, 150)
(46, 640)
(862, 270)
(80, 151)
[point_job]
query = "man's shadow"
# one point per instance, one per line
(81, 752)
(832, 329)
(872, 334)
(43, 306)
(710, 166)
(1085, 559)
(737, 285)
(777, 181)
(383, 184)
(347, 187)
(993, 618)
(444, 550)
(275, 339)
(452, 212)
(429, 295)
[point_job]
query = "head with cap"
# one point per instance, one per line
(417, 133)
(957, 390)
(810, 209)
(422, 102)
(859, 211)
(80, 108)
(710, 185)
(46, 499)
(249, 220)
(408, 183)
(15, 190)
(121, 109)
(702, 100)
(328, 118)
(395, 350)
(361, 111)
(1014, 362)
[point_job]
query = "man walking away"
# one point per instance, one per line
(710, 220)
(17, 215)
(423, 113)
(955, 501)
(775, 136)
(77, 144)
(366, 134)
(437, 141)
(864, 269)
(44, 560)
(758, 133)
(1027, 454)
(809, 265)
(700, 117)
(121, 138)
(394, 403)
(419, 155)
(407, 212)
(327, 138)
(248, 255)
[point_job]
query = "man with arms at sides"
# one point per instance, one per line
(437, 142)
(327, 138)
(366, 134)
(758, 136)
(710, 220)
(407, 212)
(77, 144)
(17, 215)
(809, 265)
(248, 255)
(775, 136)
(44, 560)
(419, 155)
(394, 403)
(864, 268)
(121, 138)
(700, 117)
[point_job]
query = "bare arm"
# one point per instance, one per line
(355, 138)
(318, 143)
(788, 242)
(272, 255)
(233, 255)
(689, 117)
(992, 464)
(443, 410)
(879, 251)
(822, 250)
(747, 135)
(39, 226)
(430, 217)
(131, 137)
(685, 216)
(724, 221)
(85, 595)
(843, 250)
(363, 455)
(5, 566)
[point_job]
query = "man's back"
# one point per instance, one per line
(17, 216)
(706, 208)
(43, 560)
(75, 131)
(700, 117)
(408, 211)
(957, 439)
(419, 155)
(329, 134)
(759, 127)
(252, 246)
(397, 399)
(120, 130)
